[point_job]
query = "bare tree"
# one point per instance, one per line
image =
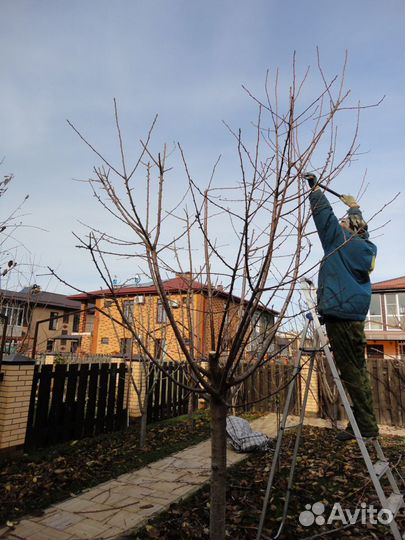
(13, 268)
(248, 236)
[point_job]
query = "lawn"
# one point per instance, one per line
(327, 472)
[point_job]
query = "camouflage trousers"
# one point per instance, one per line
(348, 343)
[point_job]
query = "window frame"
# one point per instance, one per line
(161, 315)
(160, 349)
(125, 347)
(76, 322)
(53, 320)
(127, 313)
(397, 314)
(15, 314)
(379, 351)
(380, 321)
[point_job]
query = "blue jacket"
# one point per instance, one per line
(344, 288)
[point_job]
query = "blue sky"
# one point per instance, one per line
(185, 60)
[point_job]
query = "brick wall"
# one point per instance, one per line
(107, 333)
(313, 400)
(140, 380)
(15, 392)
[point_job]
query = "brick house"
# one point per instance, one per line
(25, 308)
(385, 324)
(189, 302)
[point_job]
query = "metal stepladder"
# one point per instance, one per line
(377, 470)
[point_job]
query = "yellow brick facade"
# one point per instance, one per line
(108, 333)
(192, 314)
(46, 334)
(15, 393)
(312, 408)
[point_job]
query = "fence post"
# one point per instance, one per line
(312, 403)
(15, 393)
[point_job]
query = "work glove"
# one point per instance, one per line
(311, 179)
(350, 201)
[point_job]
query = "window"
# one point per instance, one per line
(76, 322)
(401, 306)
(375, 351)
(53, 321)
(254, 340)
(15, 314)
(266, 326)
(105, 341)
(125, 346)
(108, 303)
(395, 310)
(374, 317)
(159, 349)
(128, 310)
(64, 332)
(12, 346)
(66, 318)
(161, 316)
(49, 345)
(261, 324)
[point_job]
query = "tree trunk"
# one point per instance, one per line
(142, 430)
(191, 409)
(144, 418)
(218, 470)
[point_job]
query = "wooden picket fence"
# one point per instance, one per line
(74, 401)
(387, 378)
(266, 390)
(166, 398)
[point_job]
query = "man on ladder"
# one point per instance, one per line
(344, 294)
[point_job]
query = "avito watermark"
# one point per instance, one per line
(315, 513)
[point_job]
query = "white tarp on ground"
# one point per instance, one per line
(241, 436)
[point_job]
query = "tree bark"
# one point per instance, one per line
(142, 430)
(218, 469)
(190, 410)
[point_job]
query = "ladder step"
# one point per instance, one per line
(394, 502)
(381, 467)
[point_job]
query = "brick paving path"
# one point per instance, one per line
(127, 502)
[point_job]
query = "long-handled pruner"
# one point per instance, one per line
(324, 187)
(330, 190)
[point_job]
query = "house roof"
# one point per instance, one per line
(179, 284)
(42, 298)
(390, 284)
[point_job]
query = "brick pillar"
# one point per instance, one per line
(15, 393)
(312, 403)
(138, 375)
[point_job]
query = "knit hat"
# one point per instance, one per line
(356, 222)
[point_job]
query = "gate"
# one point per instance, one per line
(75, 401)
(166, 398)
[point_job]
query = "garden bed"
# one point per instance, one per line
(327, 472)
(31, 482)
